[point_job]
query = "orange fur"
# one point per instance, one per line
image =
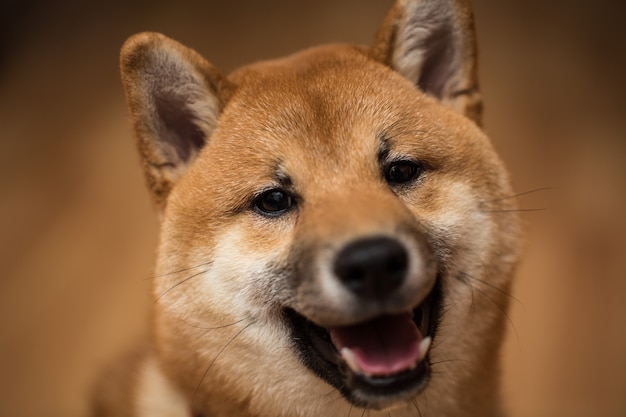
(319, 125)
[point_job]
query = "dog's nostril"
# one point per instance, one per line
(372, 267)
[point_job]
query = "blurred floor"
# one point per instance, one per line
(77, 232)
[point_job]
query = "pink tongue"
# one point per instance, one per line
(383, 346)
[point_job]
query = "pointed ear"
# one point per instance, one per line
(175, 98)
(433, 44)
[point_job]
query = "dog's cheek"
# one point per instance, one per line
(248, 274)
(461, 236)
(459, 232)
(251, 283)
(467, 240)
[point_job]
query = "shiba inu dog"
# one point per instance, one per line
(338, 235)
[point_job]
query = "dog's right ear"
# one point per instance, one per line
(175, 98)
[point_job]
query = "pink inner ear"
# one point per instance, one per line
(178, 126)
(383, 346)
(437, 68)
(433, 45)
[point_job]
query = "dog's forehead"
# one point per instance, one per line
(320, 95)
(323, 111)
(332, 104)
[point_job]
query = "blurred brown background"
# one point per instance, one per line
(77, 232)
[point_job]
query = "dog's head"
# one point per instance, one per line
(335, 221)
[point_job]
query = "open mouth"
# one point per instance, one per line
(374, 362)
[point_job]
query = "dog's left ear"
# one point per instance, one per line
(433, 44)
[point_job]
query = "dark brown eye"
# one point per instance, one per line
(273, 202)
(400, 172)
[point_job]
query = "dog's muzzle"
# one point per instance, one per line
(382, 360)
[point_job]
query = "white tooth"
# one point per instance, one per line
(348, 356)
(423, 348)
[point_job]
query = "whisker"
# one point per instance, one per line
(452, 360)
(473, 303)
(536, 190)
(328, 393)
(438, 342)
(464, 277)
(434, 372)
(214, 328)
(449, 307)
(180, 283)
(217, 356)
(180, 270)
(496, 288)
(363, 413)
(417, 408)
(338, 397)
(516, 210)
(502, 310)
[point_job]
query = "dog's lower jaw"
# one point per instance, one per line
(444, 395)
(159, 396)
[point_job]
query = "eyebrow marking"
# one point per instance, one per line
(281, 177)
(384, 148)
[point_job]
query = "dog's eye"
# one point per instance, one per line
(273, 202)
(400, 172)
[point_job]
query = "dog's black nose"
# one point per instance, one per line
(373, 267)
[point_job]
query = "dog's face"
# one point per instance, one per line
(327, 228)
